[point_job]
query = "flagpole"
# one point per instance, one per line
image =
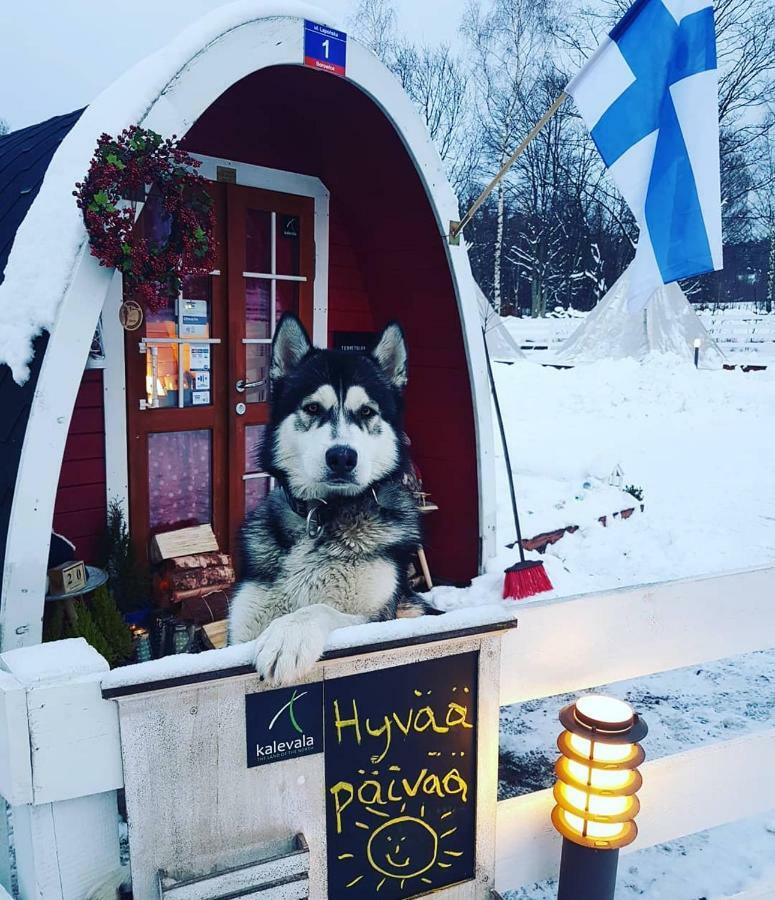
(457, 228)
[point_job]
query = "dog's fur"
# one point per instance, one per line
(297, 585)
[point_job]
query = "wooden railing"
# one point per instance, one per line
(575, 643)
(60, 745)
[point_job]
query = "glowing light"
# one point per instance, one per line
(597, 776)
(599, 710)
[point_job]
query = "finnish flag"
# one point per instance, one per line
(649, 96)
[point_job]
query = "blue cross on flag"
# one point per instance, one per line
(649, 96)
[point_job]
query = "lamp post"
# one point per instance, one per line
(697, 345)
(597, 782)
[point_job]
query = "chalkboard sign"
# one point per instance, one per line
(401, 778)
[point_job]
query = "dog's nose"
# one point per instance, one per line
(341, 460)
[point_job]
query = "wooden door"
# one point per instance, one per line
(197, 369)
(271, 254)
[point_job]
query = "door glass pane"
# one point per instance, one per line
(287, 298)
(161, 323)
(257, 369)
(258, 248)
(254, 434)
(179, 479)
(258, 323)
(256, 490)
(161, 367)
(287, 245)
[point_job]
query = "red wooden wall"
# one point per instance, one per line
(81, 507)
(387, 261)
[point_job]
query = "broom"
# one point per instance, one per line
(525, 578)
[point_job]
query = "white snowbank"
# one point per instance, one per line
(51, 238)
(697, 442)
(372, 633)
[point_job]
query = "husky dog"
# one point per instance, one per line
(331, 544)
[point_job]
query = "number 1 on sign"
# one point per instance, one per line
(325, 46)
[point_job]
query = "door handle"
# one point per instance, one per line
(241, 386)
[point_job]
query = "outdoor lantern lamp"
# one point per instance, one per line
(596, 792)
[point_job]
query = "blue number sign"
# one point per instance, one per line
(325, 48)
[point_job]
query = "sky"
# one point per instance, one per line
(57, 55)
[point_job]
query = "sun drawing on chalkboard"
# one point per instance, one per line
(405, 847)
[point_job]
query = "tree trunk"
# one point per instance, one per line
(496, 272)
(535, 297)
(771, 269)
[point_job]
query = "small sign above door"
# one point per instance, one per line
(325, 48)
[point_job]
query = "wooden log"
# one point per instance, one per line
(183, 542)
(198, 561)
(189, 579)
(216, 634)
(205, 610)
(180, 596)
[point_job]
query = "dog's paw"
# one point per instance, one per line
(289, 647)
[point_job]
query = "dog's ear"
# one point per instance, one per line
(391, 356)
(289, 347)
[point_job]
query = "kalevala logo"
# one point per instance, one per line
(300, 743)
(284, 723)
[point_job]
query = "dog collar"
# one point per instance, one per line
(313, 511)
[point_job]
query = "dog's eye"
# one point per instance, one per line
(311, 409)
(366, 412)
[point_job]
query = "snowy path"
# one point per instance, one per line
(700, 445)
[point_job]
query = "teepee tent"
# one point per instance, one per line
(500, 344)
(667, 325)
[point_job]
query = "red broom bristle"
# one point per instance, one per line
(525, 580)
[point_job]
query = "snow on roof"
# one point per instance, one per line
(51, 239)
(669, 325)
(24, 157)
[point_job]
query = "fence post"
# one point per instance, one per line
(60, 766)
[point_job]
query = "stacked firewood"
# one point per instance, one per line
(198, 584)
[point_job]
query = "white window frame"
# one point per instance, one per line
(114, 384)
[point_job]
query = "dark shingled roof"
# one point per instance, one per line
(24, 157)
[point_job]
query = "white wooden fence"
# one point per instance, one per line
(60, 747)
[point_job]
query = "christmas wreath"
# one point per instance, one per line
(130, 168)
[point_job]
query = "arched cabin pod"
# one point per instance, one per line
(330, 200)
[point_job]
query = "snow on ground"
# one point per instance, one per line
(698, 443)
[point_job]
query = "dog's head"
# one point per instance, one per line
(336, 423)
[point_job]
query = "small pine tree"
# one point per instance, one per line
(129, 580)
(111, 624)
(635, 491)
(86, 627)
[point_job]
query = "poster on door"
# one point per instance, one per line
(194, 318)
